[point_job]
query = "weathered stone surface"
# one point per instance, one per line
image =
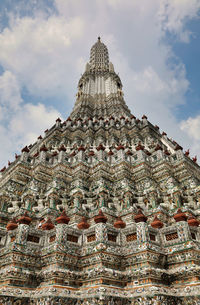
(100, 158)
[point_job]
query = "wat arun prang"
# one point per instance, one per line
(103, 209)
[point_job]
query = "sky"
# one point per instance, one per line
(45, 44)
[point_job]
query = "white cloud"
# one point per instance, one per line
(21, 123)
(192, 127)
(37, 51)
(10, 92)
(175, 14)
(30, 121)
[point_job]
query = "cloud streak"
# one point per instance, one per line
(21, 123)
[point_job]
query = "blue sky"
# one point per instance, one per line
(188, 53)
(45, 44)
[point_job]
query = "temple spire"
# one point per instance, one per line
(99, 58)
(100, 88)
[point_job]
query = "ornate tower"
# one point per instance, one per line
(100, 88)
(103, 209)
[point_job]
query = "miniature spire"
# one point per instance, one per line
(99, 58)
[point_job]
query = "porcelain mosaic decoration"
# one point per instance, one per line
(104, 209)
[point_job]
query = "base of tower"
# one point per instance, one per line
(106, 300)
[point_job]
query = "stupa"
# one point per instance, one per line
(103, 209)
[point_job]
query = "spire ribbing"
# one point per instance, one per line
(100, 88)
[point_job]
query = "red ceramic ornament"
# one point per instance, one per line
(193, 222)
(180, 216)
(140, 217)
(100, 147)
(43, 148)
(48, 225)
(25, 219)
(100, 218)
(119, 223)
(62, 148)
(63, 218)
(81, 148)
(139, 147)
(158, 147)
(83, 224)
(91, 153)
(12, 225)
(156, 223)
(119, 147)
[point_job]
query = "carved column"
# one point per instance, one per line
(142, 232)
(22, 234)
